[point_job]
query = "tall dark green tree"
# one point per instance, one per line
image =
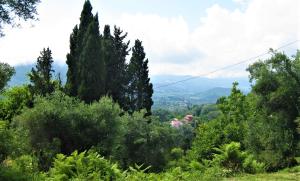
(71, 84)
(107, 55)
(140, 89)
(76, 48)
(115, 50)
(86, 18)
(41, 76)
(92, 67)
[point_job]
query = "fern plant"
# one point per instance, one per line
(87, 165)
(232, 158)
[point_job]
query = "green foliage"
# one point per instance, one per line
(228, 127)
(7, 173)
(277, 93)
(6, 71)
(186, 135)
(234, 114)
(5, 137)
(59, 123)
(76, 48)
(140, 89)
(97, 66)
(177, 153)
(89, 61)
(232, 158)
(207, 112)
(272, 146)
(72, 74)
(114, 51)
(13, 142)
(208, 136)
(22, 9)
(177, 159)
(240, 134)
(163, 114)
(91, 71)
(176, 174)
(25, 163)
(87, 165)
(146, 141)
(86, 17)
(13, 102)
(21, 168)
(41, 76)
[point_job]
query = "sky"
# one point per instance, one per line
(191, 37)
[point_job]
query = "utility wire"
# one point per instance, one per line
(226, 67)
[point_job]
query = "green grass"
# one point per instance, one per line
(286, 174)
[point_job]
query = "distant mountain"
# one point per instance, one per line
(211, 95)
(183, 100)
(198, 84)
(22, 70)
(198, 90)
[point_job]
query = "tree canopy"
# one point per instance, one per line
(6, 72)
(10, 10)
(41, 76)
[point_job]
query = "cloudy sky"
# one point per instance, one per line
(180, 37)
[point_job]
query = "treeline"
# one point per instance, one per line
(99, 125)
(97, 67)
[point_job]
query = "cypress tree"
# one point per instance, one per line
(86, 18)
(115, 51)
(92, 67)
(108, 56)
(41, 76)
(71, 84)
(76, 47)
(140, 89)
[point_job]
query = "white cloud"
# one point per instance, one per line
(240, 1)
(22, 45)
(222, 37)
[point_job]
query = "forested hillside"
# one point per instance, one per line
(100, 123)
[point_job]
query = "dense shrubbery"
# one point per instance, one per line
(13, 101)
(228, 127)
(60, 124)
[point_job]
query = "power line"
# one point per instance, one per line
(227, 67)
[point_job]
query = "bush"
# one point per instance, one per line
(8, 173)
(208, 136)
(273, 147)
(13, 102)
(61, 124)
(177, 159)
(13, 142)
(87, 165)
(227, 127)
(22, 168)
(175, 174)
(232, 158)
(146, 141)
